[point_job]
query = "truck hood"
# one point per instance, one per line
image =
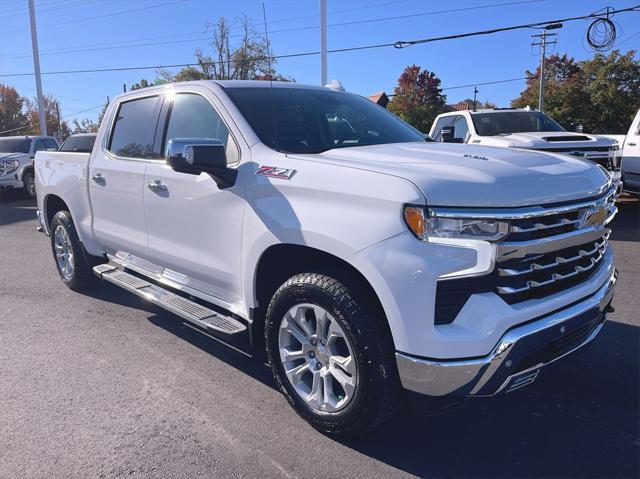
(548, 139)
(12, 156)
(466, 175)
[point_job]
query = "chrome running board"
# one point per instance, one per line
(193, 312)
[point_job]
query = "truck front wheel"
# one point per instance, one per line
(331, 355)
(68, 252)
(28, 180)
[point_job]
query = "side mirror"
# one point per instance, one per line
(200, 155)
(578, 127)
(447, 135)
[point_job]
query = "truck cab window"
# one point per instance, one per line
(38, 146)
(192, 116)
(134, 128)
(461, 129)
(440, 124)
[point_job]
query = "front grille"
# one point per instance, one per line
(525, 267)
(537, 276)
(542, 226)
(1, 168)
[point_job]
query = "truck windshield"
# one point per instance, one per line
(507, 122)
(298, 120)
(14, 145)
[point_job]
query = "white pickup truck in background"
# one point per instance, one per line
(630, 160)
(361, 258)
(16, 161)
(527, 129)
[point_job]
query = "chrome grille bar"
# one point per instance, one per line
(542, 226)
(598, 245)
(555, 277)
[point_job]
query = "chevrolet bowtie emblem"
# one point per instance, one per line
(595, 216)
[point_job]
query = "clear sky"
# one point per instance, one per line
(90, 34)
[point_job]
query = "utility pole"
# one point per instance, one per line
(542, 43)
(36, 67)
(59, 122)
(323, 43)
(475, 94)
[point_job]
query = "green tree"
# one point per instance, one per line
(11, 110)
(418, 98)
(602, 94)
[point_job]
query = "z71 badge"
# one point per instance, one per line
(275, 172)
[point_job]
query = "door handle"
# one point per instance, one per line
(157, 185)
(631, 144)
(98, 179)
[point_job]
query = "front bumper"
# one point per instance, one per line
(517, 358)
(10, 183)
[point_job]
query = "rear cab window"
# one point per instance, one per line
(79, 144)
(134, 127)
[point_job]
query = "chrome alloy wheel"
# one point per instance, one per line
(30, 186)
(317, 357)
(64, 252)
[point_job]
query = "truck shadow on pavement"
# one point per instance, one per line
(14, 208)
(579, 419)
(626, 225)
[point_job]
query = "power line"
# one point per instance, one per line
(286, 30)
(404, 44)
(336, 50)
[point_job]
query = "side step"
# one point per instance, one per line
(193, 312)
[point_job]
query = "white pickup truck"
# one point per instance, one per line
(527, 129)
(16, 161)
(364, 260)
(630, 161)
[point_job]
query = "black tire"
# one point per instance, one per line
(378, 393)
(82, 276)
(28, 181)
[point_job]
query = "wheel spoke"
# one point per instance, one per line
(346, 364)
(290, 326)
(286, 356)
(322, 322)
(298, 318)
(348, 383)
(317, 390)
(295, 374)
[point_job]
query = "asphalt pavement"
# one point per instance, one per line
(103, 384)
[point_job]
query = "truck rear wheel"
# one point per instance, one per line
(331, 355)
(71, 260)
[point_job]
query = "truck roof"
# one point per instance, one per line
(488, 110)
(25, 137)
(225, 84)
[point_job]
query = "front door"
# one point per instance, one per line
(116, 177)
(194, 227)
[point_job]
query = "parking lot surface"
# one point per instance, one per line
(102, 384)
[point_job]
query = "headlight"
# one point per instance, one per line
(425, 225)
(11, 165)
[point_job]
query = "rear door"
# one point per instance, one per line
(195, 228)
(116, 176)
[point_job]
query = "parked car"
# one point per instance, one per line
(363, 260)
(79, 143)
(527, 129)
(16, 165)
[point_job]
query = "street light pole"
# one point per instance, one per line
(36, 66)
(323, 43)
